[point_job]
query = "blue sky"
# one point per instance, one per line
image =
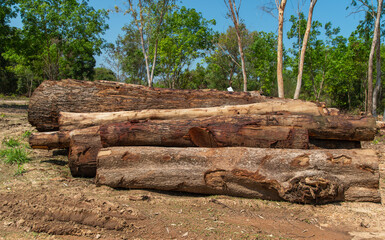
(254, 18)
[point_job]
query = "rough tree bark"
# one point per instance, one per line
(303, 50)
(220, 129)
(307, 176)
(70, 121)
(52, 97)
(281, 10)
(267, 131)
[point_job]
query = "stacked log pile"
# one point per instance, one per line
(207, 141)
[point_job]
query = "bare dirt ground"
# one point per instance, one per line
(47, 203)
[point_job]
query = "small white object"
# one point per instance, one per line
(230, 89)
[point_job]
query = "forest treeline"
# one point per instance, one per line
(165, 44)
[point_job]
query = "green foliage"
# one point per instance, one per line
(58, 40)
(102, 73)
(186, 35)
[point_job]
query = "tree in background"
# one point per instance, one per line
(8, 39)
(372, 17)
(186, 37)
(58, 40)
(303, 50)
(233, 12)
(102, 73)
(281, 9)
(148, 17)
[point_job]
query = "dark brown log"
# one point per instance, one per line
(70, 121)
(239, 131)
(208, 132)
(52, 97)
(84, 148)
(349, 130)
(302, 176)
(50, 140)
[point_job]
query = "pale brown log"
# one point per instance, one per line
(49, 140)
(302, 176)
(52, 97)
(70, 121)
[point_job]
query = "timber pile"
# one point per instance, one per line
(206, 141)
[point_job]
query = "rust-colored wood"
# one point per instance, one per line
(221, 131)
(84, 148)
(52, 97)
(302, 176)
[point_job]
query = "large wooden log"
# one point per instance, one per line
(85, 143)
(303, 176)
(223, 131)
(50, 140)
(84, 148)
(52, 97)
(70, 121)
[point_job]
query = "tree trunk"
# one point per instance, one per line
(377, 88)
(235, 18)
(303, 50)
(52, 97)
(70, 121)
(301, 176)
(369, 109)
(281, 10)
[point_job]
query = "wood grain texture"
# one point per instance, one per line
(302, 176)
(52, 97)
(70, 121)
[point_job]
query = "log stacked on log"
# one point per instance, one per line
(266, 148)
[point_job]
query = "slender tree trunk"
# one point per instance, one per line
(235, 18)
(281, 92)
(369, 109)
(303, 50)
(377, 88)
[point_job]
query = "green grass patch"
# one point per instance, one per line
(14, 155)
(14, 152)
(27, 134)
(11, 142)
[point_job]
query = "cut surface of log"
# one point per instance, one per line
(70, 121)
(84, 148)
(52, 97)
(302, 176)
